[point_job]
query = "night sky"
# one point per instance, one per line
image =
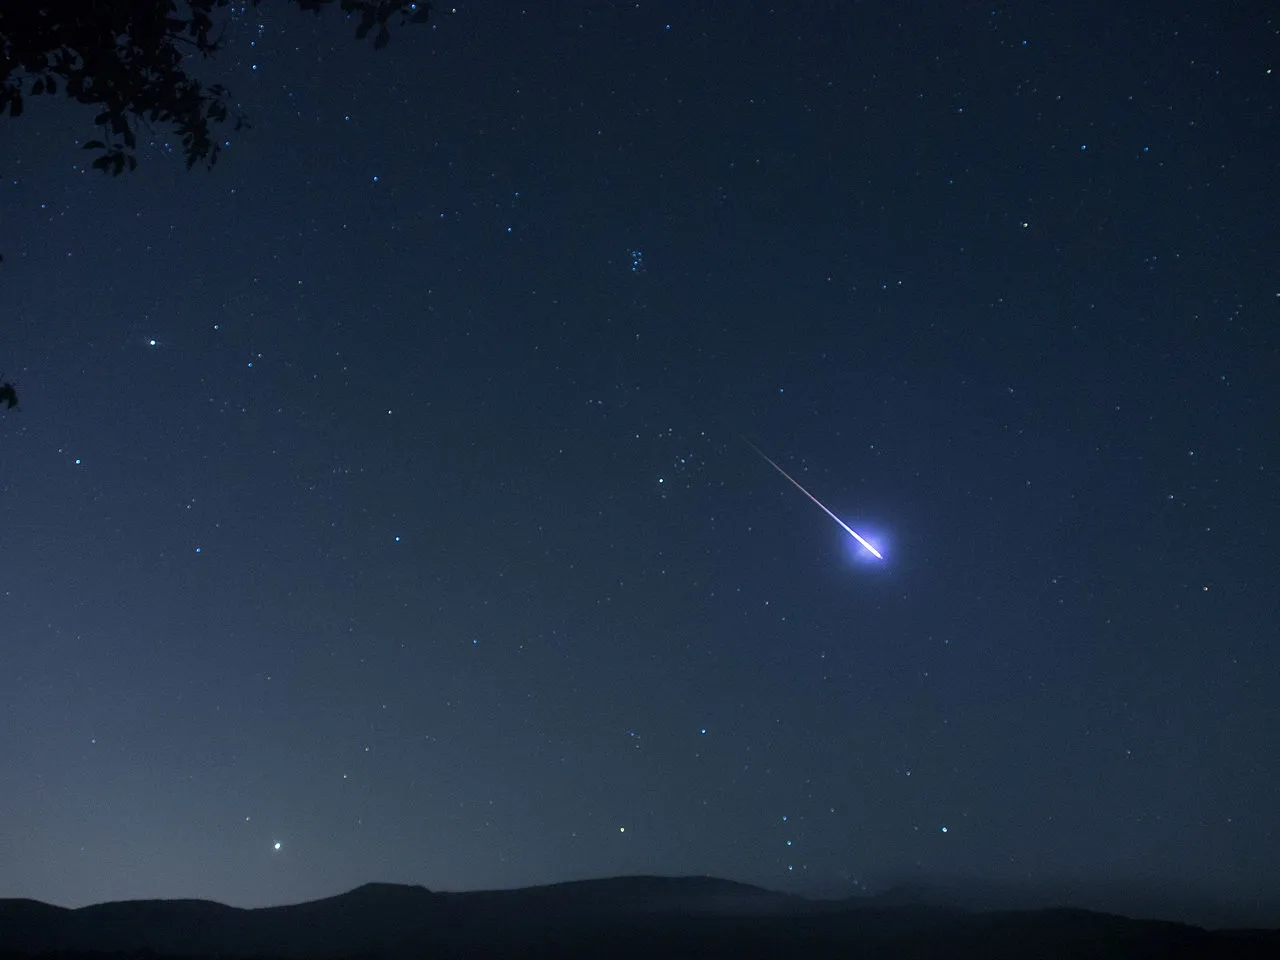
(382, 504)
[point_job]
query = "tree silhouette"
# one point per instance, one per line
(129, 58)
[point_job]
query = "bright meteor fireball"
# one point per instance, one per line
(847, 529)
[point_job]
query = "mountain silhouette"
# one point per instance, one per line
(618, 917)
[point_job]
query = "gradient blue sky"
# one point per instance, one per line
(381, 493)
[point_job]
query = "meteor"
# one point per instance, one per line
(847, 529)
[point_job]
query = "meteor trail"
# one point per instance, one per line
(847, 529)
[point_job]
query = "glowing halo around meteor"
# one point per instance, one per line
(847, 529)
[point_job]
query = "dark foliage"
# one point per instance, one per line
(8, 396)
(128, 59)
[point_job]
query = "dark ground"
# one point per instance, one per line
(624, 917)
